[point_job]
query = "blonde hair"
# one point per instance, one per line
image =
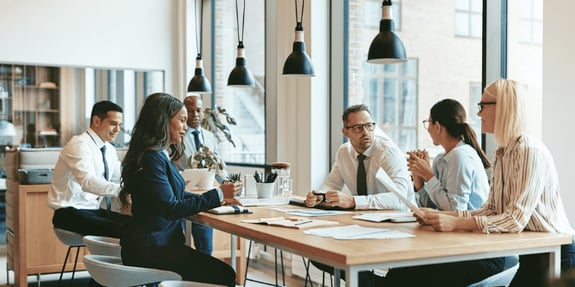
(509, 111)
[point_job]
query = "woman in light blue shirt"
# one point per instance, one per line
(457, 180)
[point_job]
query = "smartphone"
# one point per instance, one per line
(403, 219)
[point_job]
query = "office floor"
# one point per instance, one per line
(259, 270)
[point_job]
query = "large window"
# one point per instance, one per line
(245, 105)
(440, 65)
(468, 15)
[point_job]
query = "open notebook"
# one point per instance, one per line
(292, 222)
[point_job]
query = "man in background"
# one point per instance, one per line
(88, 172)
(195, 137)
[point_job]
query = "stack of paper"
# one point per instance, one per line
(385, 216)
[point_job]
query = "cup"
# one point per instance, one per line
(265, 189)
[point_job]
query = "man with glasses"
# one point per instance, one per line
(364, 191)
(351, 183)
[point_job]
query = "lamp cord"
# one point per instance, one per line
(300, 20)
(241, 39)
(198, 26)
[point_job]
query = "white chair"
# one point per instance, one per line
(174, 283)
(72, 240)
(101, 245)
(109, 271)
(502, 278)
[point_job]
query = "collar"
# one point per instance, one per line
(448, 156)
(367, 152)
(95, 138)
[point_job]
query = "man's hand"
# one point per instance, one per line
(340, 199)
(314, 198)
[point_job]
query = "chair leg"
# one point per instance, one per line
(75, 263)
(307, 276)
(64, 265)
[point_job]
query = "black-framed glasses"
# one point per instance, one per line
(425, 123)
(359, 128)
(482, 105)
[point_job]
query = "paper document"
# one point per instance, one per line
(310, 211)
(291, 222)
(389, 184)
(349, 232)
(384, 216)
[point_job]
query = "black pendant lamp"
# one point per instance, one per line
(199, 83)
(298, 63)
(386, 47)
(240, 75)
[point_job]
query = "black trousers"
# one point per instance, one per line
(90, 221)
(184, 260)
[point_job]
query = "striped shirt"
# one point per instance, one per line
(524, 192)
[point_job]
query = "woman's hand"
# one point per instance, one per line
(441, 222)
(419, 165)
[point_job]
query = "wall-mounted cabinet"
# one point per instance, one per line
(30, 100)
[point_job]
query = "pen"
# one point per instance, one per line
(302, 222)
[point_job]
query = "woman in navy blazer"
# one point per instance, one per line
(154, 237)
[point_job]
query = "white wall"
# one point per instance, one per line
(558, 95)
(137, 34)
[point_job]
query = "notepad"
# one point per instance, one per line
(386, 216)
(292, 222)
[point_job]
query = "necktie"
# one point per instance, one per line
(106, 174)
(196, 139)
(361, 180)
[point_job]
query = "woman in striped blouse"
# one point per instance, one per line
(524, 192)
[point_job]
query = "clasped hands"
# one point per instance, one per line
(230, 190)
(419, 165)
(329, 198)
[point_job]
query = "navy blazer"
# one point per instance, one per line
(159, 203)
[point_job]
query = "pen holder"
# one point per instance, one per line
(265, 189)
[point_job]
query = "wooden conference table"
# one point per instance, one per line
(352, 256)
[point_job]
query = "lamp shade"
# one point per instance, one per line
(199, 83)
(386, 47)
(240, 75)
(298, 62)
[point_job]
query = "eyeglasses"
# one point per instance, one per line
(482, 105)
(359, 128)
(425, 123)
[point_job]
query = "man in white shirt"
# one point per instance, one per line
(356, 164)
(87, 172)
(195, 136)
(377, 152)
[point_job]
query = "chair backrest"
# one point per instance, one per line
(502, 278)
(173, 283)
(69, 238)
(101, 245)
(109, 271)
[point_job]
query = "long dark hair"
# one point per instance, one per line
(151, 132)
(451, 115)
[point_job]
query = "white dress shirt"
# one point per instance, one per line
(78, 178)
(382, 154)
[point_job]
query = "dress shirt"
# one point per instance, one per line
(524, 192)
(382, 154)
(78, 178)
(460, 181)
